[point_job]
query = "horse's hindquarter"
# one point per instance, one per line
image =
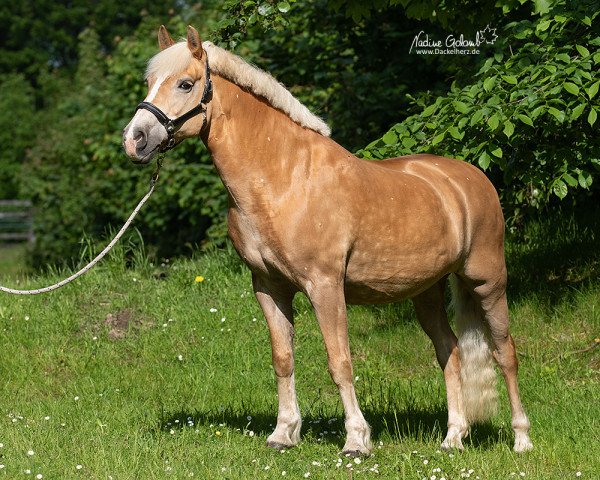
(418, 216)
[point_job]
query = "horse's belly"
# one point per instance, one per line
(384, 279)
(364, 294)
(387, 291)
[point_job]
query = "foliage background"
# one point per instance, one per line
(524, 109)
(528, 119)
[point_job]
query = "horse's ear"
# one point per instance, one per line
(164, 39)
(194, 43)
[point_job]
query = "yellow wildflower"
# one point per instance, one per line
(199, 279)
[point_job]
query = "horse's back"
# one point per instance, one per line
(434, 167)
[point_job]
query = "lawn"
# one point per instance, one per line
(142, 372)
(12, 260)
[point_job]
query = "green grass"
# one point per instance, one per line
(12, 260)
(129, 374)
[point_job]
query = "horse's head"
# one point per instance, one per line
(175, 108)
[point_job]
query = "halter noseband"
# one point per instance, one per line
(173, 125)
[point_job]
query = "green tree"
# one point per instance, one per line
(17, 130)
(37, 35)
(354, 74)
(79, 178)
(56, 173)
(530, 117)
(525, 110)
(466, 16)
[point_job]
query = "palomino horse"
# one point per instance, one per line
(308, 216)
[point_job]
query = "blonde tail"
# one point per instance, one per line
(477, 373)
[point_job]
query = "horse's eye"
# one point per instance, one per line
(186, 86)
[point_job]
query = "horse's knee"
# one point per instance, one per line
(283, 362)
(340, 370)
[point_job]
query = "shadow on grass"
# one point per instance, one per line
(420, 425)
(428, 426)
(552, 257)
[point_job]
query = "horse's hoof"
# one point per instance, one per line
(452, 444)
(522, 444)
(354, 453)
(278, 446)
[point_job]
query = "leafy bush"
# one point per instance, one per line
(80, 180)
(16, 130)
(530, 117)
(348, 72)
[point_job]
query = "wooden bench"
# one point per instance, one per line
(16, 221)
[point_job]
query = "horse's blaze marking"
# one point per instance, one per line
(155, 88)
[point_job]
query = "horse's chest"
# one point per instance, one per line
(251, 242)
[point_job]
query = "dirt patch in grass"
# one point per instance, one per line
(123, 322)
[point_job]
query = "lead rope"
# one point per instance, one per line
(101, 255)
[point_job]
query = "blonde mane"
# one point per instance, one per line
(177, 57)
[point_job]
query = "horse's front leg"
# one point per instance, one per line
(276, 305)
(327, 298)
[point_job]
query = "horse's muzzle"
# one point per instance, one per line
(135, 145)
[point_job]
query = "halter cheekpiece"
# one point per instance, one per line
(172, 125)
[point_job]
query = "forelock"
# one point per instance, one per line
(169, 61)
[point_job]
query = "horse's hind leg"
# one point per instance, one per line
(277, 308)
(431, 314)
(492, 298)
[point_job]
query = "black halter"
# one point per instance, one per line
(173, 125)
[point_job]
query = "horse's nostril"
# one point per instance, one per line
(140, 138)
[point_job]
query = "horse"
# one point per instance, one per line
(308, 216)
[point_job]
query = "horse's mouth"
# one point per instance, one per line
(146, 158)
(143, 161)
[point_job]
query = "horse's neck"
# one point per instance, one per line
(255, 147)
